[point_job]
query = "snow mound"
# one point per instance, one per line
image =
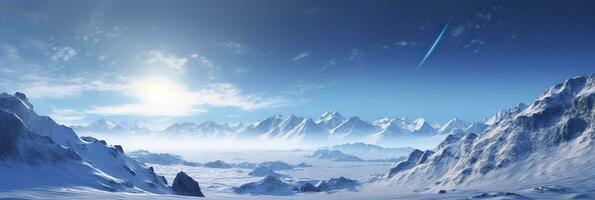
(262, 171)
(160, 158)
(269, 185)
(500, 196)
(217, 164)
(364, 150)
(334, 155)
(276, 165)
(245, 165)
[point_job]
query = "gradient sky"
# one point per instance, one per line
(241, 61)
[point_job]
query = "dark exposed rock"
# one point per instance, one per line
(185, 185)
(119, 148)
(308, 187)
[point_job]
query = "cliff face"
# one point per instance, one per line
(529, 142)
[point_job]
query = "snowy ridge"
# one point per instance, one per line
(32, 142)
(520, 145)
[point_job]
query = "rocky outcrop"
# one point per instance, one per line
(185, 185)
(340, 183)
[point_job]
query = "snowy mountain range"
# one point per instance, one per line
(330, 126)
(113, 127)
(550, 141)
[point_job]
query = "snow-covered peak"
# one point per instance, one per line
(102, 125)
(290, 122)
(330, 119)
(506, 113)
(24, 99)
(328, 115)
(383, 122)
(19, 105)
(268, 123)
(308, 130)
(454, 124)
(422, 127)
(563, 94)
(354, 127)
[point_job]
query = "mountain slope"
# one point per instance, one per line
(354, 128)
(453, 125)
(549, 141)
(38, 152)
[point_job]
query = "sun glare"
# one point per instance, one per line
(163, 94)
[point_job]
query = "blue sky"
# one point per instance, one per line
(241, 61)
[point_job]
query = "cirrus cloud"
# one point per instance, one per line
(166, 60)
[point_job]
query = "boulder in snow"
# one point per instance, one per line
(185, 185)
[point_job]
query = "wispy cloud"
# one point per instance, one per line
(211, 67)
(301, 88)
(63, 54)
(355, 54)
(329, 63)
(166, 60)
(401, 43)
(236, 47)
(301, 56)
(46, 86)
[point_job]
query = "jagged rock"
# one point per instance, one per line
(308, 187)
(551, 189)
(303, 165)
(185, 185)
(338, 184)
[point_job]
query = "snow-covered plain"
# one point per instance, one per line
(217, 183)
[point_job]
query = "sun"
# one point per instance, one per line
(162, 93)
